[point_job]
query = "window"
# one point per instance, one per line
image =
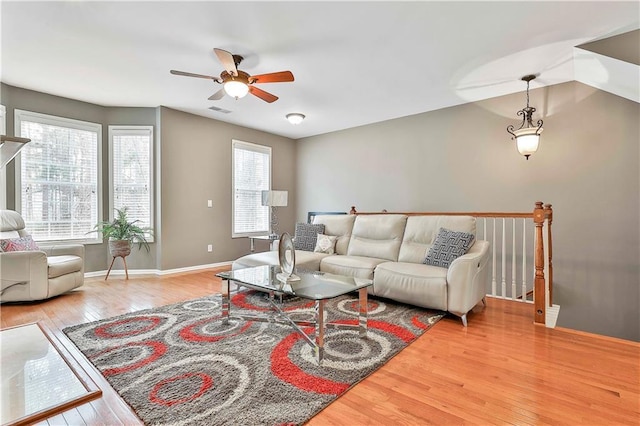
(131, 166)
(251, 176)
(58, 176)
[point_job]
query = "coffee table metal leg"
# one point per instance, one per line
(225, 301)
(362, 312)
(319, 347)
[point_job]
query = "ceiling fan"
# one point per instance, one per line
(237, 83)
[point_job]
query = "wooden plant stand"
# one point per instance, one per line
(124, 260)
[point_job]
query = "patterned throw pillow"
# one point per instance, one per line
(25, 243)
(448, 246)
(326, 244)
(307, 235)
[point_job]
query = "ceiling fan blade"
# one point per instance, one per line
(227, 61)
(190, 74)
(274, 77)
(265, 96)
(217, 96)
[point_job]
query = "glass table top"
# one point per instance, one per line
(34, 376)
(312, 285)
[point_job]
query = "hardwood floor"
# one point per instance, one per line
(502, 369)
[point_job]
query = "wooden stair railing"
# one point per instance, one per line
(542, 271)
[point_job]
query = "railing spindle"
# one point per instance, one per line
(493, 249)
(524, 260)
(513, 259)
(549, 215)
(503, 279)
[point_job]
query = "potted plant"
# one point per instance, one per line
(121, 232)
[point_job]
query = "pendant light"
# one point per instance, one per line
(527, 136)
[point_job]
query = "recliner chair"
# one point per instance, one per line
(36, 274)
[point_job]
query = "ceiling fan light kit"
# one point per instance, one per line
(237, 83)
(236, 89)
(527, 136)
(295, 118)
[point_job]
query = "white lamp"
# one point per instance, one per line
(274, 199)
(295, 118)
(527, 136)
(10, 146)
(236, 89)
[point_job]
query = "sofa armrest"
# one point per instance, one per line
(29, 268)
(467, 279)
(64, 249)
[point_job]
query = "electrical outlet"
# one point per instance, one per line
(210, 248)
(209, 203)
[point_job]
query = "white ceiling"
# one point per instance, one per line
(354, 62)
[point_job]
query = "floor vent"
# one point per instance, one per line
(221, 110)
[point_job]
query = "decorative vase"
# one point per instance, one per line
(119, 248)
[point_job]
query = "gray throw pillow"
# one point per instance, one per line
(306, 235)
(448, 246)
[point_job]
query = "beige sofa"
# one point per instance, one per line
(39, 274)
(390, 250)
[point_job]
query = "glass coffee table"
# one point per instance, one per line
(39, 378)
(317, 286)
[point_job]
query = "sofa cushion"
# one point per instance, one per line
(62, 265)
(25, 243)
(413, 283)
(326, 244)
(448, 246)
(339, 225)
(377, 236)
(306, 235)
(352, 266)
(4, 235)
(306, 260)
(421, 232)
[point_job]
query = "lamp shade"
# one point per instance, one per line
(236, 89)
(275, 198)
(295, 118)
(9, 148)
(527, 140)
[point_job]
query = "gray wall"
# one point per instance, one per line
(196, 167)
(97, 255)
(192, 165)
(462, 159)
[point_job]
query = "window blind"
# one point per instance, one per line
(59, 176)
(251, 176)
(131, 172)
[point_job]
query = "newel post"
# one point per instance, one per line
(539, 284)
(548, 212)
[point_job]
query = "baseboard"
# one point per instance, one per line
(121, 272)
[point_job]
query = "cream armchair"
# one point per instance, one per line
(40, 274)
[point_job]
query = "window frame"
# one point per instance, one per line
(23, 115)
(249, 146)
(131, 130)
(3, 171)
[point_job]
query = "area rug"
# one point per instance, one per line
(179, 365)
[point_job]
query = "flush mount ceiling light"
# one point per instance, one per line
(295, 118)
(527, 136)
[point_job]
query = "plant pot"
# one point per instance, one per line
(119, 248)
